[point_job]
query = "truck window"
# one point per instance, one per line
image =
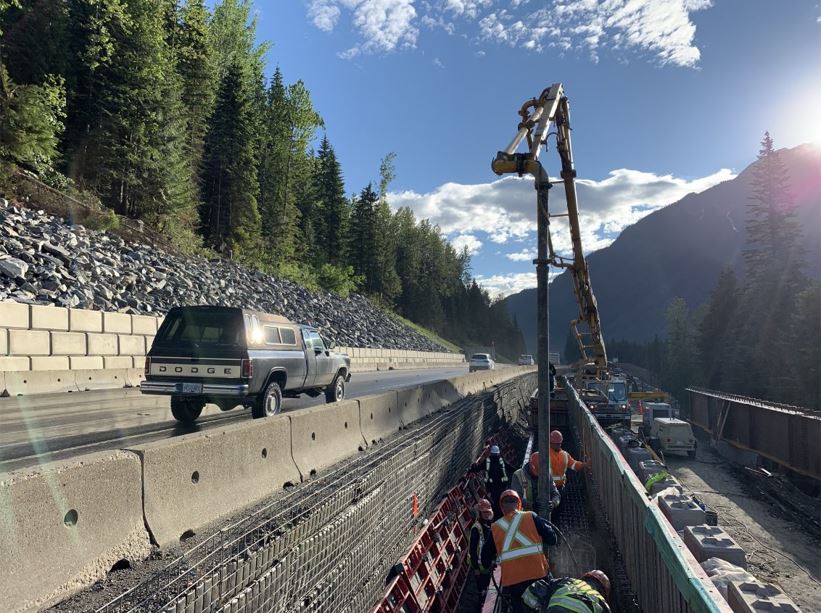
(272, 335)
(316, 341)
(618, 393)
(287, 335)
(202, 327)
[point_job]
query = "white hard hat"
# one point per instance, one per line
(494, 450)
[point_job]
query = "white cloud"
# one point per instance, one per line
(504, 285)
(472, 243)
(661, 29)
(525, 255)
(505, 209)
(438, 63)
(383, 25)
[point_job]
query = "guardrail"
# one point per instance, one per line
(662, 571)
(784, 434)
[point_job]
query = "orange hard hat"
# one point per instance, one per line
(556, 438)
(485, 508)
(511, 494)
(603, 580)
(534, 462)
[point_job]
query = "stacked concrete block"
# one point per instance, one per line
(648, 468)
(756, 597)
(635, 454)
(681, 510)
(664, 485)
(712, 542)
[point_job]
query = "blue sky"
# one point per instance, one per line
(667, 97)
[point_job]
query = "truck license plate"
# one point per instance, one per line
(190, 388)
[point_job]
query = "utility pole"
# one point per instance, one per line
(543, 336)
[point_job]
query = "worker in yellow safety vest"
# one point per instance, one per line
(560, 461)
(586, 595)
(518, 546)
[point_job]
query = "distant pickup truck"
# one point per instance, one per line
(230, 356)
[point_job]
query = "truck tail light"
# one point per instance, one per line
(247, 369)
(147, 365)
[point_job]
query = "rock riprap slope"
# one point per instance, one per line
(47, 260)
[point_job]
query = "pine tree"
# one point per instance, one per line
(229, 212)
(332, 211)
(30, 120)
(806, 344)
(773, 281)
(361, 246)
(195, 64)
(680, 349)
(34, 39)
(715, 340)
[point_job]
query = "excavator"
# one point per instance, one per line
(538, 115)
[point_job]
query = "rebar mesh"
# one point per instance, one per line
(327, 545)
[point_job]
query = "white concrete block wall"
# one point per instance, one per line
(48, 338)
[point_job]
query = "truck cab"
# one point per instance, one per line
(617, 409)
(669, 434)
(230, 356)
(653, 411)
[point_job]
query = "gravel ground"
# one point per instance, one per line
(778, 549)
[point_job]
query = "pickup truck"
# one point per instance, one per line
(230, 356)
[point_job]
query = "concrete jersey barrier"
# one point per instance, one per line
(322, 436)
(194, 479)
(63, 525)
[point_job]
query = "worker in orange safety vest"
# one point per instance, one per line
(518, 546)
(560, 461)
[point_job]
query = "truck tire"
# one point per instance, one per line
(336, 390)
(269, 403)
(186, 410)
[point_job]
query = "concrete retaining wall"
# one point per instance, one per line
(177, 486)
(109, 348)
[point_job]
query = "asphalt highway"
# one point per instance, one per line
(47, 427)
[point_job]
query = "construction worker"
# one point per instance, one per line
(526, 482)
(480, 533)
(495, 477)
(586, 595)
(560, 461)
(518, 545)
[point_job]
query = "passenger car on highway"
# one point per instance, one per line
(481, 361)
(230, 356)
(526, 360)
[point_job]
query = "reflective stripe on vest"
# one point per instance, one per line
(488, 478)
(526, 547)
(560, 477)
(578, 596)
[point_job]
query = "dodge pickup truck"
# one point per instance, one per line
(230, 356)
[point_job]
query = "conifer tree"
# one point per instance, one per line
(715, 339)
(195, 64)
(332, 212)
(229, 211)
(361, 247)
(31, 120)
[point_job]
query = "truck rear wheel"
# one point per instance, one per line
(269, 403)
(336, 390)
(186, 410)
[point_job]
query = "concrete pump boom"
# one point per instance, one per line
(537, 115)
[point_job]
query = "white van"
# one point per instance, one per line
(672, 435)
